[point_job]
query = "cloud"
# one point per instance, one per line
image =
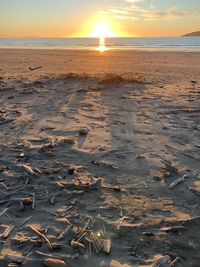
(135, 10)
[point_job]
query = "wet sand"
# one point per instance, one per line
(99, 149)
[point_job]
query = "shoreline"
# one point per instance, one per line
(107, 49)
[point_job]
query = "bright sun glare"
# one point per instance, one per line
(102, 31)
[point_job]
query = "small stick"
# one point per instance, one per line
(42, 237)
(81, 237)
(176, 182)
(33, 201)
(3, 212)
(48, 255)
(24, 222)
(52, 200)
(8, 231)
(21, 205)
(63, 233)
(27, 180)
(84, 228)
(28, 169)
(35, 68)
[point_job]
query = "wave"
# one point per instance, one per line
(111, 43)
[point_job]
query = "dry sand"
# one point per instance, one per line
(132, 178)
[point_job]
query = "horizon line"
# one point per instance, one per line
(89, 37)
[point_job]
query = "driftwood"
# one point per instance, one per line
(178, 181)
(7, 231)
(43, 237)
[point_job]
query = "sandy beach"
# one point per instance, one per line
(99, 158)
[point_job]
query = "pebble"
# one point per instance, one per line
(83, 131)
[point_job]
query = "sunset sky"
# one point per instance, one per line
(81, 18)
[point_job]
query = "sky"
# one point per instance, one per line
(80, 18)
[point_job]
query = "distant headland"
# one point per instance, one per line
(192, 34)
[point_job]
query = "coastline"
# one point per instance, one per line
(107, 49)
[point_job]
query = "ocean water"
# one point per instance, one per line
(153, 43)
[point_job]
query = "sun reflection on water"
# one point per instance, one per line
(102, 45)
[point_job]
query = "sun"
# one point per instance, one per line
(102, 30)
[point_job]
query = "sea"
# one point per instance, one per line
(139, 43)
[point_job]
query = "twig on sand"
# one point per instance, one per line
(48, 255)
(35, 68)
(42, 236)
(7, 232)
(178, 181)
(33, 201)
(63, 233)
(24, 221)
(3, 212)
(28, 169)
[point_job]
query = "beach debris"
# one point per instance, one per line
(35, 68)
(50, 170)
(161, 261)
(3, 212)
(24, 221)
(178, 181)
(2, 168)
(13, 264)
(192, 81)
(42, 236)
(21, 155)
(48, 146)
(71, 170)
(28, 169)
(175, 261)
(15, 258)
(83, 131)
(52, 200)
(27, 201)
(172, 229)
(104, 164)
(64, 233)
(95, 183)
(33, 201)
(97, 243)
(92, 184)
(77, 245)
(52, 262)
(107, 245)
(47, 255)
(117, 188)
(7, 231)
